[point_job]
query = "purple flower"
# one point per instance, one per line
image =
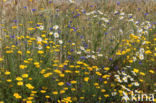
(51, 28)
(12, 36)
(100, 79)
(118, 3)
(25, 7)
(74, 28)
(146, 14)
(15, 21)
(110, 59)
(78, 14)
(82, 57)
(68, 84)
(69, 26)
(50, 2)
(81, 36)
(71, 50)
(116, 68)
(59, 31)
(37, 25)
(69, 57)
(69, 41)
(139, 9)
(33, 9)
(83, 11)
(106, 33)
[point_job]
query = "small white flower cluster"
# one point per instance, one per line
(123, 78)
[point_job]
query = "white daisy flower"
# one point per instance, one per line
(56, 35)
(40, 47)
(141, 56)
(79, 52)
(82, 48)
(60, 42)
(41, 27)
(72, 1)
(56, 27)
(39, 38)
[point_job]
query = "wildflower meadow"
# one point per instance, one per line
(87, 51)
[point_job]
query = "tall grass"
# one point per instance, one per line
(99, 45)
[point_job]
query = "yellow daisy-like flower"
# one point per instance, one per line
(19, 79)
(7, 73)
(86, 79)
(106, 68)
(43, 91)
(20, 83)
(29, 86)
(61, 83)
(17, 96)
(24, 75)
(55, 92)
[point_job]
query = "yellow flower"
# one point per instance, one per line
(29, 86)
(28, 101)
(105, 82)
(118, 53)
(47, 96)
(86, 79)
(47, 75)
(9, 51)
(73, 82)
(65, 88)
(34, 92)
(17, 96)
(22, 66)
(135, 70)
(96, 84)
(30, 78)
(98, 73)
(103, 90)
(19, 83)
(19, 52)
(14, 27)
(62, 91)
(55, 92)
(61, 75)
(40, 52)
(30, 29)
(151, 71)
(25, 75)
(19, 79)
(1, 59)
(43, 91)
(141, 73)
(61, 83)
(73, 89)
(106, 68)
(7, 73)
(9, 80)
(148, 52)
(28, 52)
(77, 71)
(81, 97)
(30, 98)
(106, 95)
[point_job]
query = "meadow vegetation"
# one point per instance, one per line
(68, 52)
